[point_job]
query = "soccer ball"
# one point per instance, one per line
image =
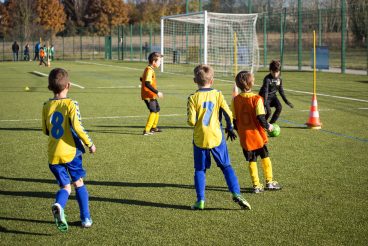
(27, 88)
(276, 131)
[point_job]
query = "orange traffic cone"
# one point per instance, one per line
(313, 122)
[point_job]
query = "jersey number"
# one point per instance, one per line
(207, 115)
(57, 130)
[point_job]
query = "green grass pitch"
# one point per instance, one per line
(141, 187)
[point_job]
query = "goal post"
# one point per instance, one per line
(227, 42)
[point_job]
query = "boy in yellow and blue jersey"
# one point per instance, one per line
(204, 111)
(61, 121)
(149, 93)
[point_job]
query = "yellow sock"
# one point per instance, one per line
(150, 120)
(156, 120)
(267, 169)
(253, 170)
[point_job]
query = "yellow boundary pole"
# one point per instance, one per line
(314, 64)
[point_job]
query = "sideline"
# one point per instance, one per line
(45, 75)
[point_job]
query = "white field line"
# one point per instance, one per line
(102, 117)
(229, 81)
(45, 75)
(117, 87)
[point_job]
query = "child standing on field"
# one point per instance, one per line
(272, 84)
(61, 121)
(204, 109)
(149, 93)
(250, 122)
(42, 57)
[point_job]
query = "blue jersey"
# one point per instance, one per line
(61, 121)
(204, 109)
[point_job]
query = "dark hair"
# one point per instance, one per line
(58, 80)
(154, 57)
(275, 66)
(244, 80)
(203, 74)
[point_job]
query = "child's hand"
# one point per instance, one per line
(270, 127)
(230, 134)
(290, 105)
(92, 149)
(160, 94)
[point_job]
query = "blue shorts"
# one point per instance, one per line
(202, 157)
(69, 172)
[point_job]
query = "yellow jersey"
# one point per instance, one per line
(204, 112)
(61, 121)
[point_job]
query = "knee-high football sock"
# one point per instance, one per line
(267, 169)
(82, 198)
(62, 197)
(231, 179)
(200, 184)
(253, 170)
(155, 123)
(150, 120)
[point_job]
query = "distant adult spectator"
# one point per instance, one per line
(37, 51)
(15, 49)
(52, 52)
(26, 53)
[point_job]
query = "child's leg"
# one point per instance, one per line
(151, 105)
(155, 123)
(83, 199)
(231, 179)
(253, 171)
(202, 161)
(62, 195)
(200, 184)
(276, 103)
(267, 169)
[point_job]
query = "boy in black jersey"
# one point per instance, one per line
(271, 84)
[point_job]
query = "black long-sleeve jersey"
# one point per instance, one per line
(270, 87)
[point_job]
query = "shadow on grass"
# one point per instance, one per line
(142, 127)
(295, 127)
(19, 129)
(120, 184)
(4, 230)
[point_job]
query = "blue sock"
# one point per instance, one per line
(82, 198)
(231, 179)
(62, 197)
(200, 184)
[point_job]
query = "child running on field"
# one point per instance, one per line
(250, 122)
(61, 121)
(149, 93)
(272, 84)
(204, 109)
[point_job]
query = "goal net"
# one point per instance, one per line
(227, 42)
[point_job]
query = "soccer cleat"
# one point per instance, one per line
(273, 185)
(257, 189)
(198, 205)
(146, 133)
(87, 223)
(241, 201)
(155, 129)
(59, 217)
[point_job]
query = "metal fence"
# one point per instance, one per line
(282, 35)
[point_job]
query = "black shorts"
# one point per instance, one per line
(152, 105)
(251, 156)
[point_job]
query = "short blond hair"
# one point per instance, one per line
(244, 80)
(203, 74)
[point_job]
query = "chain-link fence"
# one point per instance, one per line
(285, 35)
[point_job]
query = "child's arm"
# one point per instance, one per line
(191, 113)
(78, 127)
(260, 112)
(44, 126)
(224, 108)
(265, 89)
(282, 93)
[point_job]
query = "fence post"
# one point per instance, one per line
(343, 32)
(3, 49)
(63, 47)
(300, 30)
(319, 26)
(81, 46)
(264, 39)
(131, 44)
(140, 41)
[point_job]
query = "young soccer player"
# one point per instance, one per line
(61, 121)
(250, 122)
(271, 84)
(204, 109)
(42, 57)
(149, 93)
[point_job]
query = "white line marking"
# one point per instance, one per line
(229, 81)
(102, 117)
(117, 87)
(363, 108)
(45, 75)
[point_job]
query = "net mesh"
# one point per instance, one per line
(231, 42)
